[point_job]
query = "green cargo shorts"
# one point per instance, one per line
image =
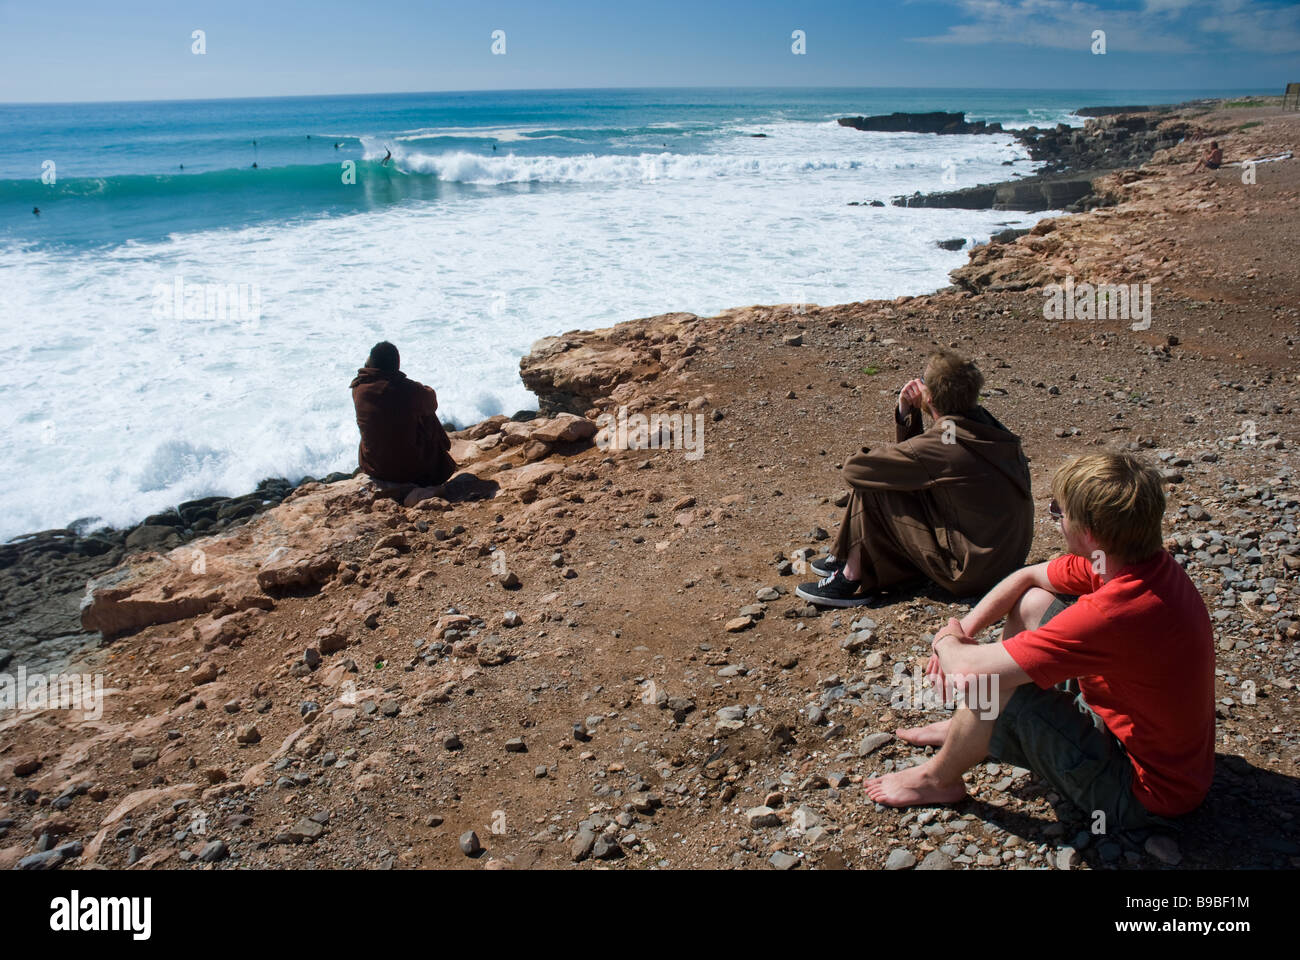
(1057, 735)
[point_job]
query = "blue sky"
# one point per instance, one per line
(133, 50)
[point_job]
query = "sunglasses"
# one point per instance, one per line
(1054, 510)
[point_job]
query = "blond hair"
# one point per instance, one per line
(953, 382)
(1118, 497)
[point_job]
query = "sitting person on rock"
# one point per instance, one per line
(402, 440)
(951, 504)
(1212, 159)
(1103, 681)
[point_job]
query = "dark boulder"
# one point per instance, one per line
(936, 122)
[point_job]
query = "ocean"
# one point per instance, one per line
(203, 279)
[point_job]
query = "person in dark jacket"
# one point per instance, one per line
(951, 504)
(402, 440)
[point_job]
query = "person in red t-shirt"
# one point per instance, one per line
(1130, 733)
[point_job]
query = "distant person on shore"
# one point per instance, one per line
(1103, 681)
(402, 440)
(951, 504)
(1212, 159)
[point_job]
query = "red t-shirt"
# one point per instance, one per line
(1142, 649)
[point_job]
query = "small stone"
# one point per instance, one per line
(759, 817)
(306, 830)
(493, 651)
(582, 845)
(511, 619)
(899, 859)
(606, 848)
(26, 766)
(793, 340)
(249, 734)
(768, 594)
(143, 756)
(936, 860)
(516, 745)
(509, 580)
(451, 742)
(469, 844)
(206, 673)
(1164, 848)
(873, 742)
(737, 624)
(214, 851)
(783, 861)
(46, 860)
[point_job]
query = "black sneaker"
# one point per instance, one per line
(833, 591)
(825, 566)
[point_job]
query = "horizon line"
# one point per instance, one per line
(412, 93)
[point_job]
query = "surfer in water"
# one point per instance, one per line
(387, 156)
(36, 211)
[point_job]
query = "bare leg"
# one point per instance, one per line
(938, 780)
(965, 737)
(930, 735)
(853, 565)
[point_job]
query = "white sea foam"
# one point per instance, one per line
(500, 134)
(112, 412)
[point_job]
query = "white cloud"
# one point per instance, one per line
(1159, 26)
(1260, 29)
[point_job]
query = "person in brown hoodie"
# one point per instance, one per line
(951, 504)
(402, 440)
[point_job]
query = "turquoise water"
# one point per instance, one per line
(142, 171)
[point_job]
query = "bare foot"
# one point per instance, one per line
(913, 787)
(930, 735)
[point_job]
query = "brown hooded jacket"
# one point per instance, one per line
(402, 440)
(952, 503)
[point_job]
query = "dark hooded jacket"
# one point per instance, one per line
(952, 503)
(402, 440)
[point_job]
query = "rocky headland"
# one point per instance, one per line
(577, 655)
(1072, 158)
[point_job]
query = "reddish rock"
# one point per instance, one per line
(330, 640)
(295, 570)
(566, 428)
(206, 673)
(535, 450)
(26, 766)
(452, 621)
